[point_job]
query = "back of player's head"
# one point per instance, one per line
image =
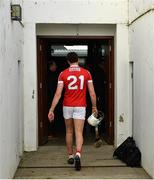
(72, 57)
(51, 63)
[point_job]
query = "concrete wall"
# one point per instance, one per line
(11, 113)
(30, 88)
(142, 53)
(139, 7)
(76, 11)
(75, 29)
(67, 17)
(122, 95)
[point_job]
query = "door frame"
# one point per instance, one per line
(111, 132)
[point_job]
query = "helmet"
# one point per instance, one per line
(94, 120)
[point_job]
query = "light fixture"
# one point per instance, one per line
(16, 14)
(76, 47)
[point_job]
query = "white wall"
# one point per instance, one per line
(139, 7)
(142, 53)
(76, 11)
(75, 30)
(30, 87)
(11, 113)
(71, 17)
(122, 108)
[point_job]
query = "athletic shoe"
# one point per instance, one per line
(77, 163)
(70, 161)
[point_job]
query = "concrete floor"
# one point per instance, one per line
(49, 162)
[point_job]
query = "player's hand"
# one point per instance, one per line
(51, 116)
(95, 111)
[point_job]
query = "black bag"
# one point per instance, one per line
(128, 153)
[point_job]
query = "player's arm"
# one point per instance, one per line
(92, 96)
(55, 101)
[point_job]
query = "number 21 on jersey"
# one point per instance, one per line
(73, 80)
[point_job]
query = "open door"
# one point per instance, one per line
(42, 92)
(100, 55)
(109, 85)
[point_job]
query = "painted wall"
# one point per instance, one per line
(75, 29)
(30, 88)
(11, 113)
(138, 7)
(123, 119)
(64, 18)
(76, 11)
(142, 53)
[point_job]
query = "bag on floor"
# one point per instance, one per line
(128, 153)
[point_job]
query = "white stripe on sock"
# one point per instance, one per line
(78, 154)
(71, 156)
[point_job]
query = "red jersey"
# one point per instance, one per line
(75, 79)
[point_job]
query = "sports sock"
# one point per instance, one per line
(70, 156)
(78, 154)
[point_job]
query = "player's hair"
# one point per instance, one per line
(72, 57)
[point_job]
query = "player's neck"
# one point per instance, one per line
(74, 64)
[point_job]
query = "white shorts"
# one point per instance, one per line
(74, 112)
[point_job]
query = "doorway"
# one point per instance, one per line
(95, 54)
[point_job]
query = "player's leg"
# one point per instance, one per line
(79, 119)
(78, 124)
(67, 112)
(69, 135)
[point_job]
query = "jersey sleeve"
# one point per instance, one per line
(89, 77)
(61, 78)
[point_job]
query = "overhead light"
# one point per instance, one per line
(16, 12)
(76, 47)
